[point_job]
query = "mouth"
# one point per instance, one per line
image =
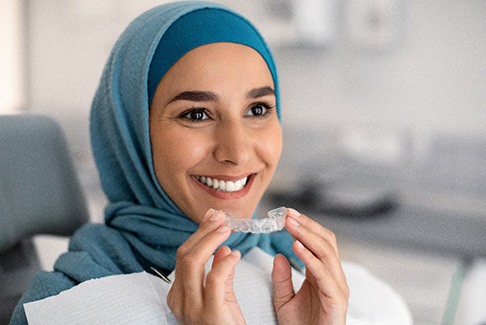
(222, 185)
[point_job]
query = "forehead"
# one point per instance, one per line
(219, 63)
(223, 54)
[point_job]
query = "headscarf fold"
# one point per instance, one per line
(143, 227)
(140, 215)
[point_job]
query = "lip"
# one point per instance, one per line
(227, 195)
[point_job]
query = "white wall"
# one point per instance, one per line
(12, 72)
(431, 79)
(69, 43)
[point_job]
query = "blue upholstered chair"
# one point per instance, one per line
(39, 194)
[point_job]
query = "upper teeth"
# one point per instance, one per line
(227, 186)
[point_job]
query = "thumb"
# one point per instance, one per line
(282, 281)
(221, 252)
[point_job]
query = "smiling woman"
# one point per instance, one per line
(185, 127)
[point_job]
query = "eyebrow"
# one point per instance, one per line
(196, 96)
(260, 92)
(209, 96)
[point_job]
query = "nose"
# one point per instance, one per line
(233, 143)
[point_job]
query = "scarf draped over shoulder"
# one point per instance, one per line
(143, 227)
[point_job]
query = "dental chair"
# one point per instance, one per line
(39, 194)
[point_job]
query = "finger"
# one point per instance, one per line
(321, 250)
(323, 276)
(282, 281)
(211, 221)
(319, 246)
(201, 245)
(192, 256)
(320, 241)
(317, 228)
(220, 253)
(205, 248)
(219, 282)
(190, 265)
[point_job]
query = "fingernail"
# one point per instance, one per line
(293, 213)
(216, 216)
(299, 245)
(208, 214)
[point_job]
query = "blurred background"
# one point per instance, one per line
(384, 114)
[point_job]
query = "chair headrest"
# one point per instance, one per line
(39, 189)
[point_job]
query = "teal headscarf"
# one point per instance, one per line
(140, 209)
(143, 227)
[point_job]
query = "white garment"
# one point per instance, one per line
(140, 298)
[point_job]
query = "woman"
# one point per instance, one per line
(186, 124)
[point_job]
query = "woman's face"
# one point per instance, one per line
(216, 138)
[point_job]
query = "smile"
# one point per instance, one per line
(224, 186)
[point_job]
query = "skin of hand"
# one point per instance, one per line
(323, 297)
(197, 298)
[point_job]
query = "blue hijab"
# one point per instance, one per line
(143, 227)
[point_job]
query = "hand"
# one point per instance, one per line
(198, 299)
(323, 297)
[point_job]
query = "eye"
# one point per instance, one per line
(197, 115)
(259, 109)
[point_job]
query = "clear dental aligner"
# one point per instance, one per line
(274, 222)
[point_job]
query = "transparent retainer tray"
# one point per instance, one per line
(274, 222)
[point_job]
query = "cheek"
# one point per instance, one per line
(271, 146)
(176, 152)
